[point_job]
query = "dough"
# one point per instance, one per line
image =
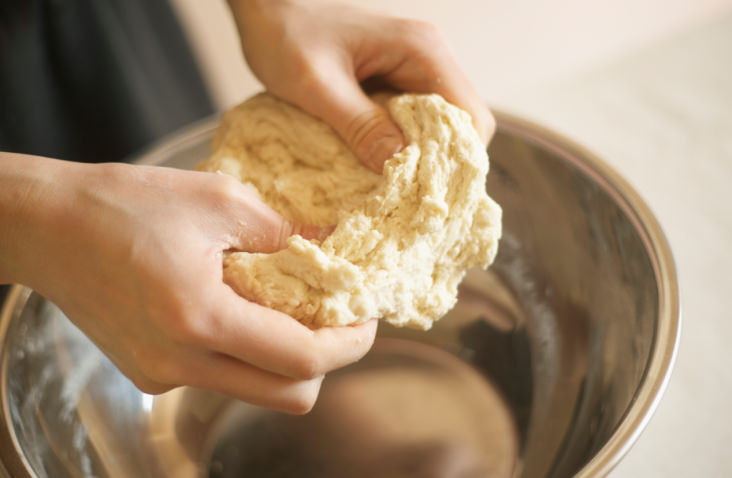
(403, 240)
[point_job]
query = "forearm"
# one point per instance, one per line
(239, 7)
(20, 183)
(30, 199)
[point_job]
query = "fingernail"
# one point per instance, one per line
(382, 150)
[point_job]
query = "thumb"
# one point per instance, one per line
(363, 124)
(259, 228)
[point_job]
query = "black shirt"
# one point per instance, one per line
(94, 80)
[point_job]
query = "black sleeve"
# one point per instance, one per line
(94, 80)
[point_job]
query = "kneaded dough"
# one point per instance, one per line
(402, 240)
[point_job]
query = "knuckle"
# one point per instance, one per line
(490, 125)
(185, 330)
(225, 188)
(426, 45)
(146, 385)
(483, 121)
(160, 370)
(151, 388)
(182, 321)
(301, 66)
(421, 31)
(431, 32)
(304, 401)
(309, 366)
(301, 406)
(364, 127)
(307, 74)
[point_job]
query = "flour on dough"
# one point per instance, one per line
(403, 240)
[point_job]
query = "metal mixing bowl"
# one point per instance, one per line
(550, 365)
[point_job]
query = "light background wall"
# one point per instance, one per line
(506, 46)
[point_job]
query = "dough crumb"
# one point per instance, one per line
(402, 240)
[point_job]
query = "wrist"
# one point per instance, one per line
(29, 197)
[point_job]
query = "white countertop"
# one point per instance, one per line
(648, 87)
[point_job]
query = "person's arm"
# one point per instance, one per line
(133, 256)
(317, 56)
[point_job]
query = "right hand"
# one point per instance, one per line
(317, 55)
(133, 256)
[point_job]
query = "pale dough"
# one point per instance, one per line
(403, 240)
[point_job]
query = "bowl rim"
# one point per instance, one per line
(13, 462)
(666, 337)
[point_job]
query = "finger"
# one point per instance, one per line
(255, 227)
(472, 103)
(143, 383)
(364, 125)
(231, 377)
(441, 75)
(420, 61)
(276, 342)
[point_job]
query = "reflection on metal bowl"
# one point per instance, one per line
(550, 365)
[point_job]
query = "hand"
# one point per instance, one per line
(133, 256)
(317, 56)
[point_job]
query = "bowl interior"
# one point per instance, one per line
(532, 374)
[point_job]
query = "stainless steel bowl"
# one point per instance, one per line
(550, 365)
